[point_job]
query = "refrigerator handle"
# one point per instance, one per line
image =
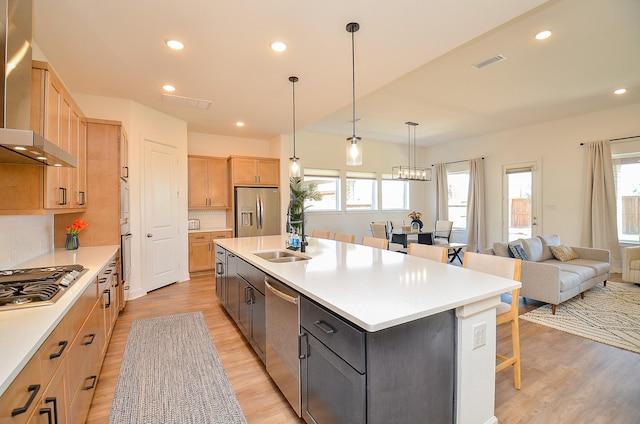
(259, 212)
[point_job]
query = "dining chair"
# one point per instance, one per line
(347, 238)
(505, 313)
(427, 251)
(396, 224)
(442, 232)
(375, 242)
(380, 230)
(321, 234)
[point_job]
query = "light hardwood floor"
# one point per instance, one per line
(565, 378)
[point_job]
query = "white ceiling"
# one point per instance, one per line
(413, 61)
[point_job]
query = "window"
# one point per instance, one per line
(626, 169)
(328, 184)
(458, 192)
(361, 191)
(395, 193)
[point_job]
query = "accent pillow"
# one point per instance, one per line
(501, 249)
(518, 252)
(533, 247)
(563, 253)
(547, 241)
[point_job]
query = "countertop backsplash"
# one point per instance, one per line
(210, 219)
(24, 237)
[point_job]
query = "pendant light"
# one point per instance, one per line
(354, 146)
(294, 162)
(411, 172)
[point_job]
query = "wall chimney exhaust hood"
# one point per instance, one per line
(18, 143)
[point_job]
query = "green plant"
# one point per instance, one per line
(299, 192)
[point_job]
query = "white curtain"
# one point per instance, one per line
(442, 192)
(599, 222)
(476, 226)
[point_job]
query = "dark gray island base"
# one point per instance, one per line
(403, 374)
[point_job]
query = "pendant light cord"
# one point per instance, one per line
(353, 82)
(293, 90)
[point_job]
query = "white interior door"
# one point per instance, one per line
(160, 216)
(521, 213)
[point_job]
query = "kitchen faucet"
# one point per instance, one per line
(303, 237)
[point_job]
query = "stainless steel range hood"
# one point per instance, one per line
(18, 143)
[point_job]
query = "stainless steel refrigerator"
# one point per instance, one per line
(257, 211)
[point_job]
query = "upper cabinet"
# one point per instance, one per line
(49, 189)
(208, 183)
(250, 171)
(124, 156)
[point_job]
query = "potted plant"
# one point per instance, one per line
(299, 192)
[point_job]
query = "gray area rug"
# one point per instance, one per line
(609, 315)
(171, 373)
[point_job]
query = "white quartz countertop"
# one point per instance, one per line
(373, 288)
(209, 230)
(22, 331)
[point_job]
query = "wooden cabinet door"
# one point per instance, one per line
(53, 406)
(218, 183)
(269, 171)
(198, 188)
(200, 252)
(124, 154)
(244, 171)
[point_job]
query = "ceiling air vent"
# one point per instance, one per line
(489, 61)
(186, 101)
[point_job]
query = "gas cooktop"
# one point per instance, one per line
(28, 287)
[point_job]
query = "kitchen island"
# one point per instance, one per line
(378, 290)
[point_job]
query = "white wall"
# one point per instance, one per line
(143, 123)
(556, 145)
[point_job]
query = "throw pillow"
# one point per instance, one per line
(518, 252)
(563, 253)
(547, 241)
(533, 247)
(501, 249)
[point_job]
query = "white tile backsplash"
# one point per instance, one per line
(24, 237)
(210, 219)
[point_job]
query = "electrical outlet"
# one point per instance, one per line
(479, 335)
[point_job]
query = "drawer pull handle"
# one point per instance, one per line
(55, 409)
(48, 412)
(325, 327)
(34, 389)
(63, 345)
(93, 336)
(93, 378)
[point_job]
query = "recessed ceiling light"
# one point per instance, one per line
(278, 46)
(239, 124)
(543, 35)
(169, 88)
(620, 91)
(175, 44)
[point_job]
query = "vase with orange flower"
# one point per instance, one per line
(72, 243)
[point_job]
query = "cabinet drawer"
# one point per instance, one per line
(341, 337)
(195, 237)
(55, 348)
(25, 391)
(251, 274)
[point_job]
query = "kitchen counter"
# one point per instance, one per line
(22, 331)
(381, 291)
(209, 230)
(375, 289)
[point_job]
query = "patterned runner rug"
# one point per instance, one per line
(171, 373)
(609, 315)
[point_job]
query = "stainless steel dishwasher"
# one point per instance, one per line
(283, 329)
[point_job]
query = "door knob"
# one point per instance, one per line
(149, 235)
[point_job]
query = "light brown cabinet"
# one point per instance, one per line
(30, 190)
(104, 142)
(252, 171)
(58, 382)
(124, 156)
(208, 183)
(202, 250)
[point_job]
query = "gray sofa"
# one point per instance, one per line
(547, 279)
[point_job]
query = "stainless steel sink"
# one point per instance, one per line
(279, 256)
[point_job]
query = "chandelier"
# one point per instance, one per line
(411, 172)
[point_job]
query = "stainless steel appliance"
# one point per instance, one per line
(257, 211)
(283, 329)
(18, 144)
(28, 287)
(125, 233)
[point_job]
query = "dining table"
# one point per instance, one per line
(401, 236)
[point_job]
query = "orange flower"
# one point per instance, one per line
(77, 226)
(415, 215)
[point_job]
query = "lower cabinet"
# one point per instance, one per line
(221, 274)
(404, 373)
(58, 382)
